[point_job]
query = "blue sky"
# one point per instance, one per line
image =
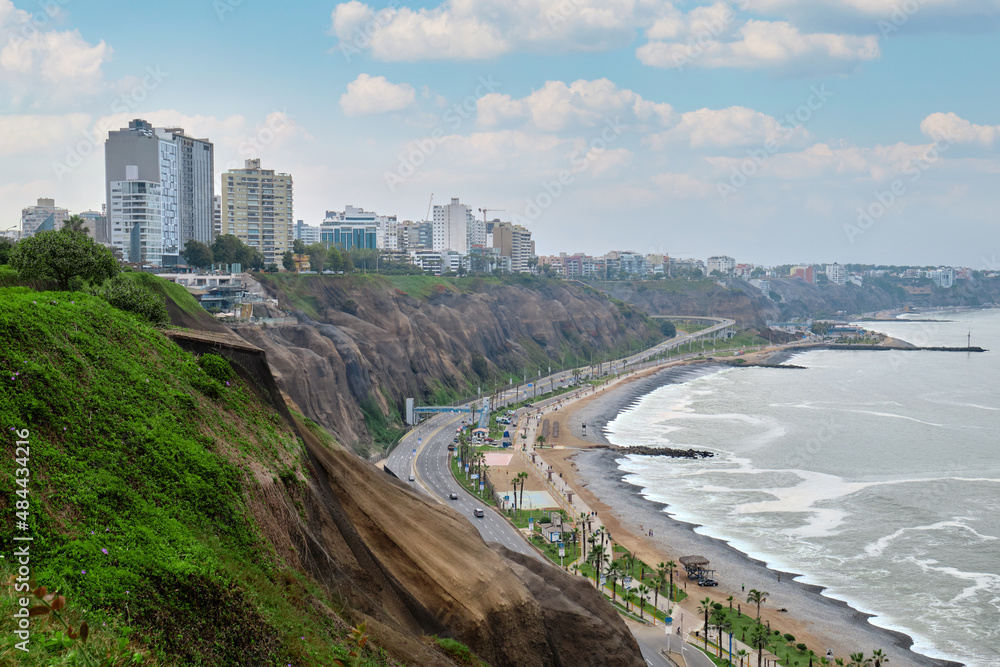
(665, 121)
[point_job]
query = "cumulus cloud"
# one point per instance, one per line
(951, 127)
(40, 65)
(558, 106)
(757, 44)
(724, 128)
(682, 186)
(27, 134)
(476, 29)
(375, 94)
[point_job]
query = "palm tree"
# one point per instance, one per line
(523, 476)
(730, 598)
(859, 660)
(643, 595)
(576, 543)
(757, 597)
(657, 585)
(879, 657)
(581, 520)
(540, 441)
(742, 653)
(615, 571)
(719, 621)
(759, 637)
(75, 224)
(671, 566)
(705, 608)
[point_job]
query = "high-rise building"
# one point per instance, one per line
(181, 168)
(258, 209)
(308, 234)
(357, 228)
(96, 224)
(456, 228)
(217, 215)
(39, 215)
(803, 272)
(836, 273)
(514, 241)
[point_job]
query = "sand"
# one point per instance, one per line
(821, 622)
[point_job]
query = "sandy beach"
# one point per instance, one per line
(821, 622)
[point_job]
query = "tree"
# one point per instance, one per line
(272, 268)
(658, 581)
(198, 254)
(523, 476)
(671, 566)
(348, 262)
(759, 637)
(643, 595)
(859, 660)
(334, 260)
(757, 597)
(742, 653)
(317, 256)
(540, 441)
(705, 607)
(74, 224)
(63, 256)
(720, 623)
(299, 247)
(229, 249)
(6, 247)
(288, 260)
(879, 657)
(615, 572)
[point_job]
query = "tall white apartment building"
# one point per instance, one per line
(836, 273)
(34, 217)
(217, 215)
(258, 209)
(456, 228)
(183, 169)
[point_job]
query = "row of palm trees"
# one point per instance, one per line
(760, 636)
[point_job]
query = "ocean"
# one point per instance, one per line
(873, 474)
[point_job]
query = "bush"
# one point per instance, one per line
(800, 646)
(216, 367)
(208, 386)
(125, 294)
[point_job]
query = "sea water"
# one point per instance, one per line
(873, 474)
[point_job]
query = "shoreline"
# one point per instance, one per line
(822, 622)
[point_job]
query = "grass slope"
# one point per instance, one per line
(136, 495)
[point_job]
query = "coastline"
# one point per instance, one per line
(820, 621)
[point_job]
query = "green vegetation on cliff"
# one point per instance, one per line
(139, 469)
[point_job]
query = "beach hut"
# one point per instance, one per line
(696, 566)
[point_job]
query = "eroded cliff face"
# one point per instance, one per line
(412, 567)
(366, 340)
(744, 303)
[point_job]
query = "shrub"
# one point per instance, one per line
(216, 367)
(125, 294)
(208, 386)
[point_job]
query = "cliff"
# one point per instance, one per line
(792, 298)
(363, 344)
(188, 521)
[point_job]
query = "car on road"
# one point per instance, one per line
(708, 582)
(451, 448)
(478, 512)
(412, 478)
(453, 496)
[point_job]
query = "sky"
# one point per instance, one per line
(773, 131)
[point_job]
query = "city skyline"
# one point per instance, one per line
(858, 132)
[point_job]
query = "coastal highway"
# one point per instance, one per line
(431, 472)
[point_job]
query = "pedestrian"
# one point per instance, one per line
(779, 577)
(743, 588)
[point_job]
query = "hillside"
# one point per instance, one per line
(363, 344)
(796, 298)
(190, 523)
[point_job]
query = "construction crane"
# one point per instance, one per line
(484, 211)
(429, 204)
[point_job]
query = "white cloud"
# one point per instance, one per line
(724, 128)
(40, 133)
(558, 106)
(683, 186)
(951, 127)
(758, 44)
(477, 29)
(375, 94)
(46, 64)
